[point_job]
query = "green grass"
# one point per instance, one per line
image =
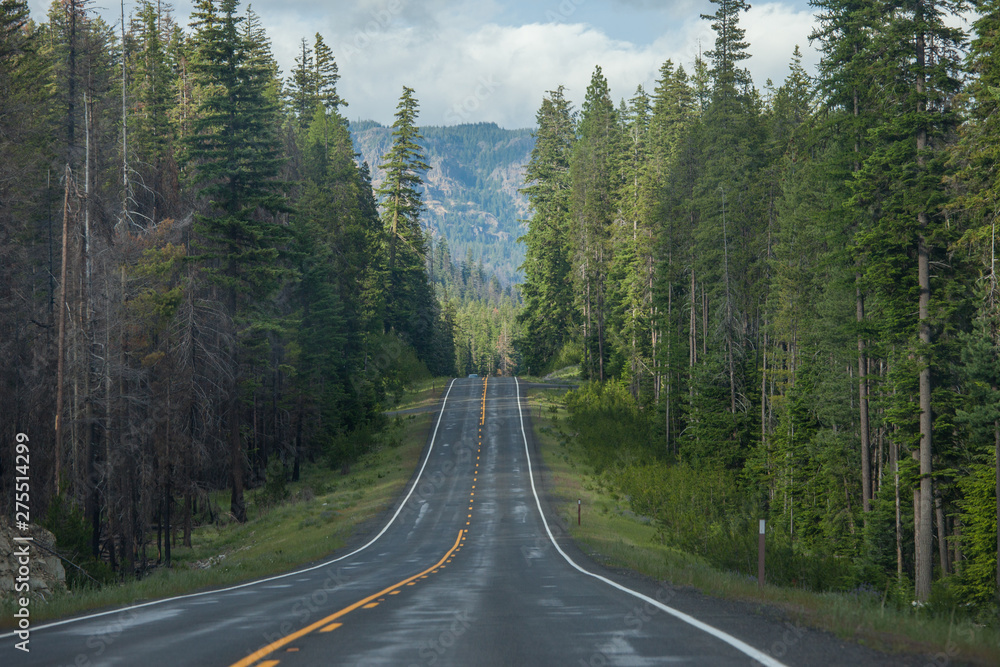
(613, 535)
(568, 374)
(324, 510)
(422, 394)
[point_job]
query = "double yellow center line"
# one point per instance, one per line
(479, 450)
(482, 414)
(329, 623)
(324, 623)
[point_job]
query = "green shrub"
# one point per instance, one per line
(73, 543)
(609, 424)
(570, 355)
(275, 484)
(703, 506)
(979, 534)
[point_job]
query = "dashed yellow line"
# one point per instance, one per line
(274, 646)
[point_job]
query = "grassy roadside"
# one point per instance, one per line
(568, 374)
(613, 535)
(324, 510)
(423, 394)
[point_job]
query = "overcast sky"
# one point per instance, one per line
(493, 60)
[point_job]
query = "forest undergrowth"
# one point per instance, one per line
(698, 528)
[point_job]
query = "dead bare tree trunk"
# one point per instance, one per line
(704, 321)
(941, 533)
(693, 330)
(866, 464)
(186, 539)
(167, 467)
(729, 313)
(125, 183)
(600, 316)
(236, 503)
(90, 430)
(670, 312)
(61, 361)
(894, 455)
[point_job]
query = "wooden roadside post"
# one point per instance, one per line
(760, 556)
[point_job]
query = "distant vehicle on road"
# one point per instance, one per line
(473, 375)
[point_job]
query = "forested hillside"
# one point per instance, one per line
(482, 311)
(471, 191)
(199, 289)
(790, 296)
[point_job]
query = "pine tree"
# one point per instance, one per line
(678, 136)
(631, 270)
(548, 309)
(730, 233)
(23, 77)
(595, 176)
(68, 23)
(409, 302)
(848, 91)
(976, 157)
(150, 139)
(901, 180)
(980, 415)
(236, 154)
(28, 236)
(302, 87)
(327, 74)
(667, 266)
(730, 47)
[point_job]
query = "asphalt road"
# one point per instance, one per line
(466, 571)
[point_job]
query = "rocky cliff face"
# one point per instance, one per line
(46, 570)
(471, 191)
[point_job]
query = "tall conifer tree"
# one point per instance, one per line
(408, 295)
(900, 184)
(976, 157)
(237, 156)
(595, 175)
(548, 299)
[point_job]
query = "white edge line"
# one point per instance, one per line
(741, 646)
(280, 576)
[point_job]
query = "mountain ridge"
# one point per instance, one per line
(471, 191)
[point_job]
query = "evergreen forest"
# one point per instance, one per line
(201, 288)
(781, 302)
(786, 298)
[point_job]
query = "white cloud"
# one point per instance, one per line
(464, 71)
(466, 65)
(773, 30)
